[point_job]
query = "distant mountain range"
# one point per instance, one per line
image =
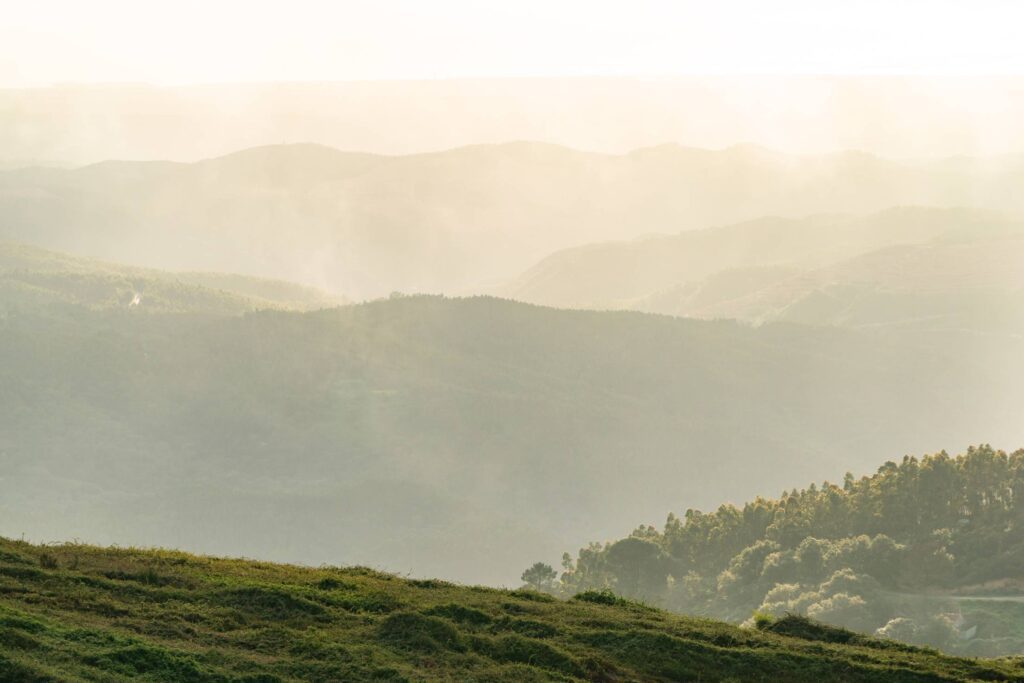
(466, 219)
(922, 267)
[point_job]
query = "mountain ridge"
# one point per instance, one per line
(454, 220)
(644, 273)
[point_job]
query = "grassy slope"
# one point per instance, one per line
(77, 612)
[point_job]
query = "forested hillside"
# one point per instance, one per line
(927, 551)
(73, 613)
(450, 437)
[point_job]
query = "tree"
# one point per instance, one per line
(640, 567)
(540, 577)
(830, 552)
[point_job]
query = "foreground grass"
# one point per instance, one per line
(77, 612)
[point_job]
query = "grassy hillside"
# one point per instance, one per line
(80, 613)
(450, 221)
(31, 277)
(417, 432)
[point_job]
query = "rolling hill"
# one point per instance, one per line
(31, 278)
(939, 268)
(417, 432)
(80, 613)
(943, 286)
(455, 221)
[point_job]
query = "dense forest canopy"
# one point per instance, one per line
(924, 550)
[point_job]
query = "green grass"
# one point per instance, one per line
(76, 612)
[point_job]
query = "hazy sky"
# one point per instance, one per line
(204, 41)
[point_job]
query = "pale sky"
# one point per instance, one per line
(216, 41)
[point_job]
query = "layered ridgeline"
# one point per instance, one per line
(450, 437)
(926, 551)
(452, 221)
(32, 278)
(936, 269)
(80, 613)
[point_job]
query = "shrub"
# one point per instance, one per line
(514, 648)
(526, 627)
(269, 602)
(797, 626)
(330, 583)
(414, 631)
(532, 596)
(602, 597)
(459, 613)
(158, 662)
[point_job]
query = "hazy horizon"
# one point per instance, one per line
(792, 114)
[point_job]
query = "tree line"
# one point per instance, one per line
(896, 553)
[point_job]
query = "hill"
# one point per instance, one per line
(905, 265)
(453, 221)
(416, 432)
(31, 278)
(945, 285)
(77, 613)
(926, 551)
